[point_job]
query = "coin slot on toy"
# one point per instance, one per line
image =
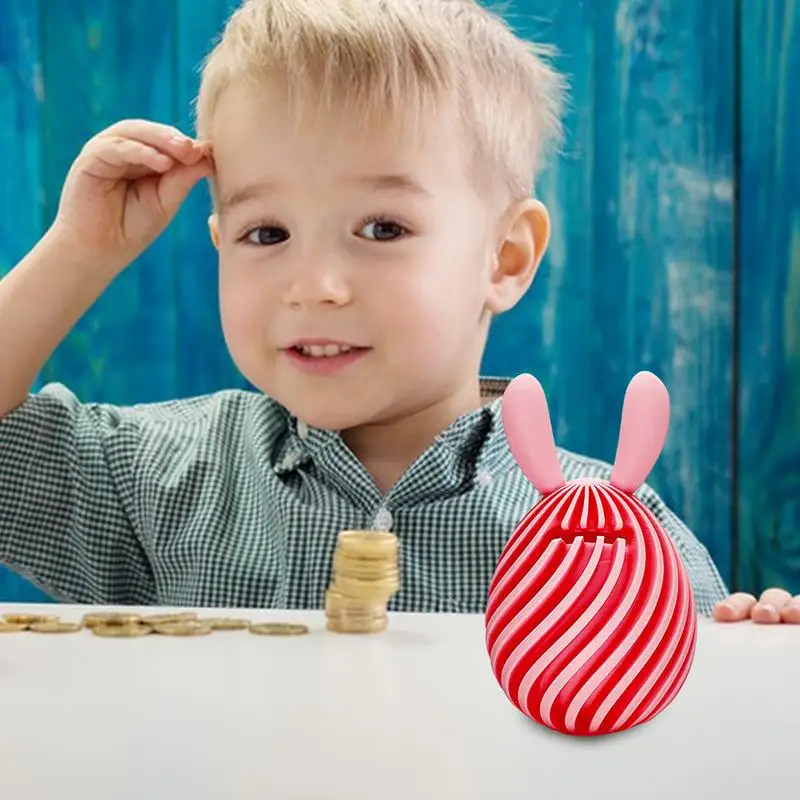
(592, 537)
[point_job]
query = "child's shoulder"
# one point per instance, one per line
(225, 415)
(226, 406)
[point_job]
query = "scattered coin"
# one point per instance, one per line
(55, 627)
(122, 625)
(12, 627)
(28, 619)
(110, 618)
(227, 623)
(185, 628)
(121, 631)
(163, 619)
(277, 629)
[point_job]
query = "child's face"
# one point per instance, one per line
(340, 236)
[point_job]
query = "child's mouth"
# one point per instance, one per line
(324, 350)
(324, 359)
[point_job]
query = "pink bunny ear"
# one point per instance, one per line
(645, 420)
(526, 421)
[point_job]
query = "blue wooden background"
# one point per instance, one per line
(676, 247)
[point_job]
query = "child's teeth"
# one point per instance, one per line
(319, 351)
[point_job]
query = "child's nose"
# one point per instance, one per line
(321, 283)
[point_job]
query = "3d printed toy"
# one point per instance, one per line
(590, 621)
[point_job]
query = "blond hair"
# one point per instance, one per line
(380, 59)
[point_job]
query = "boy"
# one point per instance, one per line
(372, 173)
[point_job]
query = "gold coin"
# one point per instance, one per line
(277, 629)
(365, 597)
(346, 614)
(163, 619)
(110, 618)
(226, 623)
(341, 623)
(389, 577)
(55, 627)
(337, 625)
(368, 544)
(364, 568)
(28, 619)
(336, 603)
(191, 627)
(365, 591)
(121, 631)
(390, 583)
(12, 627)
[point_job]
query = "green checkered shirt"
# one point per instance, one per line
(226, 500)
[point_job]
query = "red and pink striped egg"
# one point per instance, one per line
(591, 622)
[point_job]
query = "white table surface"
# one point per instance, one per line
(411, 713)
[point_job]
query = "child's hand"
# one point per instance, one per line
(773, 606)
(125, 187)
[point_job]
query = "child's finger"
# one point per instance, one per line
(775, 597)
(161, 137)
(769, 606)
(177, 184)
(114, 159)
(735, 608)
(790, 613)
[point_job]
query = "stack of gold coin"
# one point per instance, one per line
(365, 577)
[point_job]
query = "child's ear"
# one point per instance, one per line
(523, 242)
(213, 229)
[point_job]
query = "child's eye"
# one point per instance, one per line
(382, 230)
(266, 235)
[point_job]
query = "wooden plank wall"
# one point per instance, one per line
(640, 272)
(676, 245)
(767, 492)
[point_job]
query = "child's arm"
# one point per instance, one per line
(40, 302)
(63, 520)
(121, 192)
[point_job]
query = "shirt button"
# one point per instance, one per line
(484, 478)
(289, 462)
(383, 520)
(302, 429)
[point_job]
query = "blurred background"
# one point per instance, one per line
(676, 244)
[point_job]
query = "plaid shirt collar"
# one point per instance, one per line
(471, 451)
